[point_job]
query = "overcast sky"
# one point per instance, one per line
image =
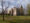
(16, 3)
(13, 3)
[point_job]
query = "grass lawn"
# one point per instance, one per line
(15, 19)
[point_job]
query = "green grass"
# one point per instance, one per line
(15, 19)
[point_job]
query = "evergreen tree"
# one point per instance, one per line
(21, 10)
(18, 12)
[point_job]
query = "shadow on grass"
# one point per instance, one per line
(20, 21)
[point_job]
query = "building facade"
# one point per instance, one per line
(16, 11)
(13, 11)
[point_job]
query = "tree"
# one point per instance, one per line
(2, 10)
(21, 10)
(28, 6)
(12, 12)
(18, 12)
(6, 7)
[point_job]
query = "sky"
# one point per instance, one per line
(13, 3)
(16, 3)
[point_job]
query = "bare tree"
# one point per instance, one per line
(6, 8)
(12, 12)
(2, 10)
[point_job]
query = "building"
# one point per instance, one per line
(14, 11)
(17, 11)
